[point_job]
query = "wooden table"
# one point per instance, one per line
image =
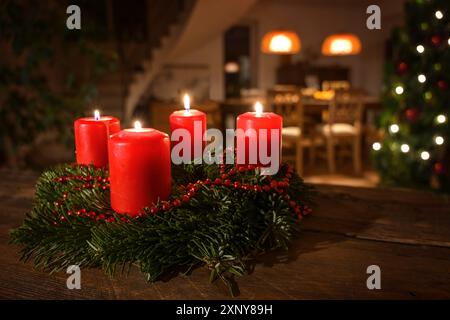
(407, 234)
(233, 107)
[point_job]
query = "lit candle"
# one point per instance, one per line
(259, 128)
(91, 138)
(139, 168)
(194, 122)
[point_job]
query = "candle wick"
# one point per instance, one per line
(97, 115)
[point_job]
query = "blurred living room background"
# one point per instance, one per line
(135, 59)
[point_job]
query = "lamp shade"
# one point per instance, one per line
(280, 42)
(341, 45)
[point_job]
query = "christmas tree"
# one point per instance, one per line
(416, 100)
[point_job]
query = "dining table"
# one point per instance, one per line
(232, 107)
(402, 234)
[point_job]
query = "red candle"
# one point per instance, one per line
(194, 122)
(139, 169)
(91, 138)
(249, 149)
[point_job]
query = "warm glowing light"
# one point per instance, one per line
(137, 125)
(404, 147)
(441, 118)
(341, 44)
(376, 146)
(421, 78)
(187, 102)
(399, 90)
(97, 115)
(420, 48)
(394, 128)
(231, 67)
(425, 155)
(439, 15)
(448, 41)
(258, 108)
(439, 140)
(280, 42)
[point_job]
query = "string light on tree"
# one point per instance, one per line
(404, 148)
(394, 128)
(421, 78)
(425, 155)
(399, 90)
(376, 146)
(441, 118)
(439, 140)
(416, 118)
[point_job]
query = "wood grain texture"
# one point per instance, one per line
(406, 233)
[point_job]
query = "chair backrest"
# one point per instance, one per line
(286, 101)
(346, 107)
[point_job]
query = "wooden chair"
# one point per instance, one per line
(296, 134)
(344, 126)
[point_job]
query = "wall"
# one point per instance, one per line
(313, 21)
(209, 56)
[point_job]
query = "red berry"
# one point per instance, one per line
(241, 169)
(237, 184)
(217, 181)
(232, 172)
(185, 198)
(101, 217)
(251, 167)
(165, 206)
(257, 188)
(227, 183)
(88, 178)
(224, 176)
(207, 182)
(292, 203)
(154, 210)
(123, 219)
(176, 203)
(266, 188)
(92, 214)
(62, 218)
(273, 183)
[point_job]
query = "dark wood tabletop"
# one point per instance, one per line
(405, 233)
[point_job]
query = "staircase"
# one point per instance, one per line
(176, 27)
(120, 91)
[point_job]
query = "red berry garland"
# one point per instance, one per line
(233, 178)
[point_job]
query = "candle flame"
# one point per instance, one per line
(258, 108)
(97, 115)
(187, 102)
(137, 125)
